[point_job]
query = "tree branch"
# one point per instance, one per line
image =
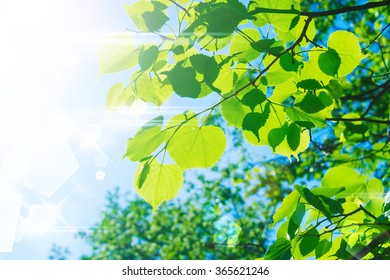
(342, 10)
(359, 120)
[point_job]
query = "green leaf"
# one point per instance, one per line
(293, 136)
(116, 53)
(154, 20)
(303, 119)
(276, 136)
(192, 146)
(323, 247)
(329, 62)
(347, 46)
(309, 241)
(144, 174)
(289, 63)
(343, 177)
(162, 182)
(313, 200)
(333, 206)
(151, 89)
(294, 22)
(296, 219)
(335, 89)
(253, 98)
(254, 121)
(311, 104)
(219, 18)
(309, 84)
(147, 57)
(207, 66)
(288, 203)
(268, 46)
(118, 96)
(280, 250)
(241, 45)
(148, 138)
(183, 80)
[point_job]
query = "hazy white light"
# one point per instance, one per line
(41, 218)
(100, 175)
(101, 160)
(91, 135)
(10, 205)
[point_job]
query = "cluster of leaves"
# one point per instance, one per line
(281, 83)
(212, 222)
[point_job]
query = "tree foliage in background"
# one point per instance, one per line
(309, 80)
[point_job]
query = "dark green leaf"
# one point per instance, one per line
(268, 46)
(323, 247)
(311, 104)
(335, 89)
(333, 206)
(183, 80)
(276, 136)
(309, 241)
(254, 121)
(293, 136)
(325, 98)
(296, 219)
(289, 63)
(313, 200)
(207, 66)
(147, 57)
(280, 250)
(253, 98)
(294, 22)
(342, 253)
(154, 20)
(329, 62)
(309, 84)
(144, 173)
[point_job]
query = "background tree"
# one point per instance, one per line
(309, 80)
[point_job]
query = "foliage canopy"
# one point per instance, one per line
(288, 78)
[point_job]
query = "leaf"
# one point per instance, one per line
(147, 57)
(162, 182)
(118, 96)
(293, 136)
(268, 46)
(254, 121)
(154, 20)
(183, 80)
(294, 22)
(241, 46)
(147, 15)
(151, 89)
(310, 104)
(303, 119)
(276, 136)
(289, 63)
(343, 177)
(333, 206)
(279, 21)
(309, 84)
(144, 174)
(280, 250)
(288, 203)
(148, 138)
(116, 53)
(329, 62)
(309, 241)
(323, 247)
(207, 66)
(313, 200)
(192, 146)
(335, 89)
(253, 98)
(296, 219)
(347, 46)
(220, 18)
